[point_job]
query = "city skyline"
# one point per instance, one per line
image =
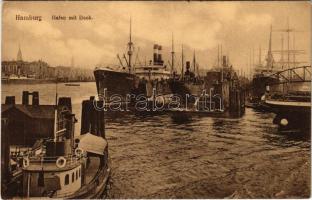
(200, 26)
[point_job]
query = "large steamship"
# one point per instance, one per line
(116, 79)
(138, 79)
(154, 75)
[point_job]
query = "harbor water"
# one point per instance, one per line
(156, 156)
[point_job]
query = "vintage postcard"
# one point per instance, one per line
(156, 99)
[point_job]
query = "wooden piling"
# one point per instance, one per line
(92, 118)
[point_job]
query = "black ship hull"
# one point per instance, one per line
(111, 83)
(128, 86)
(291, 115)
(97, 188)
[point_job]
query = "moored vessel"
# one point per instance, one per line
(116, 79)
(58, 164)
(189, 85)
(123, 83)
(290, 99)
(262, 77)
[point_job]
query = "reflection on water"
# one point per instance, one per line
(162, 156)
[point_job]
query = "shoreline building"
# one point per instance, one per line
(20, 69)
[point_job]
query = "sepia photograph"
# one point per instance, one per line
(156, 99)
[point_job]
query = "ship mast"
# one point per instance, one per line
(182, 70)
(253, 60)
(250, 63)
(288, 30)
(130, 49)
(294, 55)
(290, 52)
(221, 65)
(172, 56)
(259, 55)
(282, 53)
(270, 56)
(55, 110)
(218, 55)
(194, 62)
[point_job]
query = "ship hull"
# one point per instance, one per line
(111, 83)
(291, 115)
(129, 87)
(186, 90)
(96, 188)
(289, 107)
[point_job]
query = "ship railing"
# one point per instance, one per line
(70, 159)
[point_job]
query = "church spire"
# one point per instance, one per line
(19, 53)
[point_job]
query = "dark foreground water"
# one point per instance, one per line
(204, 157)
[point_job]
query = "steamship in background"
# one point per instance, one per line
(262, 77)
(189, 83)
(150, 79)
(155, 74)
(155, 79)
(129, 78)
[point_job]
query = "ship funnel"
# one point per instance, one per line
(188, 65)
(159, 55)
(155, 58)
(224, 61)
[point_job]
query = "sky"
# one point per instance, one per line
(240, 27)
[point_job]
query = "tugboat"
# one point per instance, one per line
(63, 166)
(67, 167)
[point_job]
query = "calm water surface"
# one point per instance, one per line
(204, 157)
